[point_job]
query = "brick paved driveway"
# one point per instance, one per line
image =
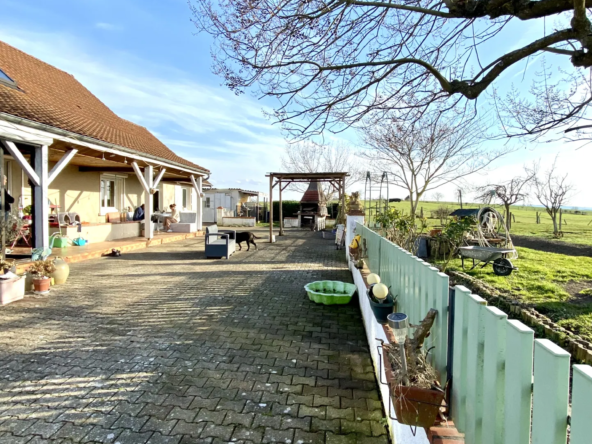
(164, 346)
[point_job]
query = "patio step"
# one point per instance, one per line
(94, 251)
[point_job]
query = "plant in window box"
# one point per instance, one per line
(413, 382)
(41, 271)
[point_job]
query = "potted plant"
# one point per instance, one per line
(415, 391)
(41, 271)
(381, 301)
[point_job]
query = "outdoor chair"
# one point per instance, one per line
(187, 223)
(220, 243)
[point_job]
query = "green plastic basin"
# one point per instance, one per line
(330, 292)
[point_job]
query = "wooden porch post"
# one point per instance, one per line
(41, 222)
(271, 208)
(200, 203)
(281, 211)
(148, 204)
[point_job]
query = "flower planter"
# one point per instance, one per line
(414, 406)
(11, 290)
(41, 285)
(330, 292)
(382, 310)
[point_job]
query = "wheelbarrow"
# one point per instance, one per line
(485, 255)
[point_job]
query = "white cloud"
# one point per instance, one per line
(106, 26)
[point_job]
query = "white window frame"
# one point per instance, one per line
(188, 200)
(118, 195)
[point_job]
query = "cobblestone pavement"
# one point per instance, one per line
(164, 346)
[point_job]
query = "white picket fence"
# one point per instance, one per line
(507, 386)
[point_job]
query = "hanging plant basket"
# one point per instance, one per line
(414, 406)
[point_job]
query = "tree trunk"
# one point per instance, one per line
(508, 217)
(555, 228)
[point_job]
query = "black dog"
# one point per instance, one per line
(248, 237)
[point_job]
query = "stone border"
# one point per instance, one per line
(578, 347)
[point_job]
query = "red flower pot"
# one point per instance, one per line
(41, 285)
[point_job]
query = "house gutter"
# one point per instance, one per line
(110, 147)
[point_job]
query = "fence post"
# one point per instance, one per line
(460, 356)
(474, 378)
(494, 375)
(581, 404)
(551, 393)
(518, 377)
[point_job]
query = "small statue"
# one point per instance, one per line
(355, 206)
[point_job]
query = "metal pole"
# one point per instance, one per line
(270, 208)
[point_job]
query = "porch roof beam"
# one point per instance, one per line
(140, 177)
(20, 159)
(196, 186)
(58, 167)
(41, 130)
(158, 178)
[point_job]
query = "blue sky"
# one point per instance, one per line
(146, 62)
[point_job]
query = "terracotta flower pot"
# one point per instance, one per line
(41, 285)
(416, 406)
(435, 232)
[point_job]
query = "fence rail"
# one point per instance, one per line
(507, 386)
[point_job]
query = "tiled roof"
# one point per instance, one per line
(53, 97)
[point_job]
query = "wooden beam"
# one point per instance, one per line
(41, 202)
(22, 162)
(270, 209)
(197, 185)
(175, 179)
(281, 211)
(105, 169)
(148, 202)
(158, 178)
(58, 167)
(143, 182)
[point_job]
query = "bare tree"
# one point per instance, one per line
(331, 63)
(508, 193)
(429, 152)
(312, 157)
(552, 191)
(438, 196)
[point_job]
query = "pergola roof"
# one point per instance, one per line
(307, 177)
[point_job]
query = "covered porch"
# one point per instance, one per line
(53, 173)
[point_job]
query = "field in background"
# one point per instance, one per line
(556, 285)
(575, 228)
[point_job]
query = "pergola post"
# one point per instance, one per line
(271, 208)
(281, 211)
(148, 203)
(41, 196)
(342, 187)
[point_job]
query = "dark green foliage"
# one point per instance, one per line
(290, 208)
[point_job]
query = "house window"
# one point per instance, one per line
(111, 193)
(185, 197)
(7, 81)
(207, 202)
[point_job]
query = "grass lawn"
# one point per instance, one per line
(556, 285)
(575, 229)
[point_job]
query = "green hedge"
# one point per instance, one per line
(289, 209)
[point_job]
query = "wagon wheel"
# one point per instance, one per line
(502, 267)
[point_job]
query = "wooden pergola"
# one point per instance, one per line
(337, 181)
